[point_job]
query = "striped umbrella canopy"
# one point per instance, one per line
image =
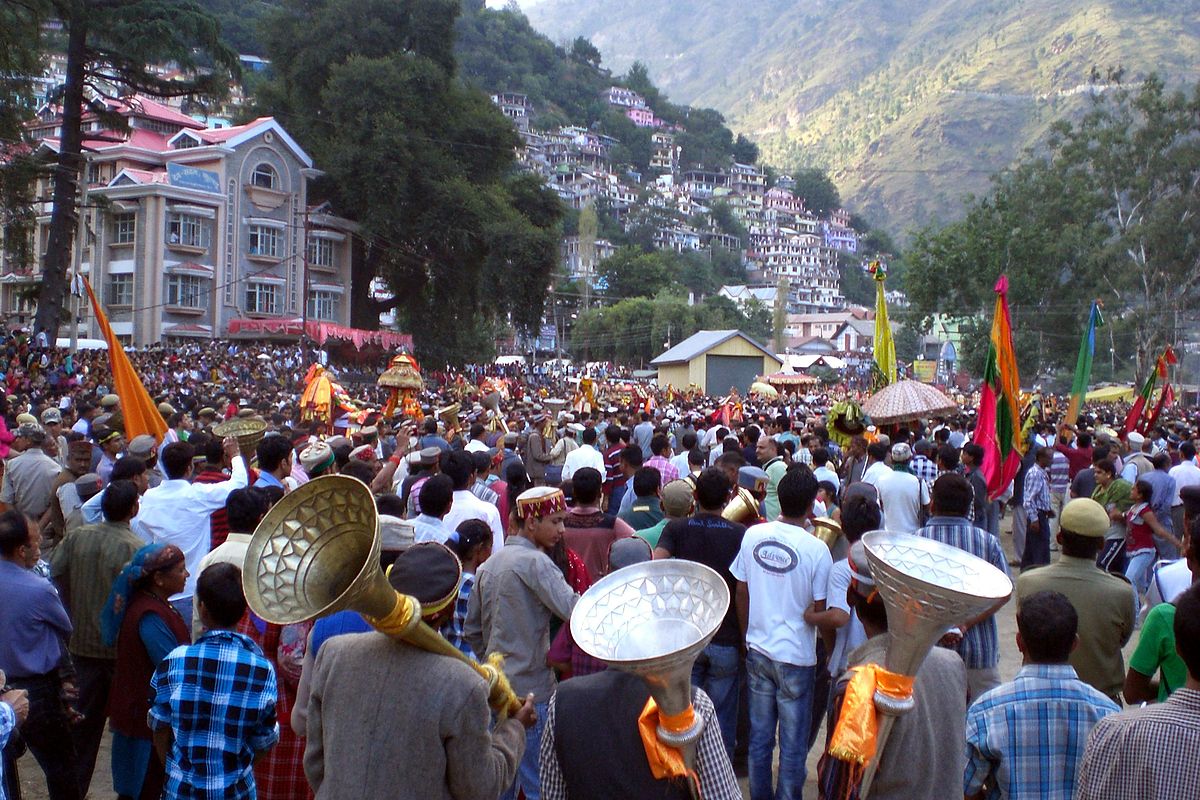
(906, 400)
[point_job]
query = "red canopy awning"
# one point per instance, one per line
(319, 332)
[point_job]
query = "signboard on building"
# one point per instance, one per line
(200, 180)
(925, 371)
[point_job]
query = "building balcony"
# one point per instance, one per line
(263, 258)
(184, 247)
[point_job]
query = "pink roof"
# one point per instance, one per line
(217, 135)
(146, 175)
(142, 106)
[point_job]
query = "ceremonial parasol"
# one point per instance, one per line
(791, 379)
(764, 389)
(906, 400)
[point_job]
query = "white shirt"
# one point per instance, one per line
(476, 446)
(785, 568)
(874, 472)
(583, 456)
(850, 635)
(680, 462)
(1185, 473)
(901, 496)
(231, 551)
(467, 506)
(429, 529)
(826, 474)
(177, 512)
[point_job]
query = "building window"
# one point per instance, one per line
(124, 228)
(264, 176)
(185, 142)
(265, 241)
(186, 291)
(262, 298)
(120, 290)
(186, 230)
(323, 305)
(320, 253)
(95, 173)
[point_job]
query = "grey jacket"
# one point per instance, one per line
(386, 719)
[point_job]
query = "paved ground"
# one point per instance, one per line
(33, 784)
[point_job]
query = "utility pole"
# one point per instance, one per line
(77, 268)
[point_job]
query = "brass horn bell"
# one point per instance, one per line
(742, 508)
(317, 551)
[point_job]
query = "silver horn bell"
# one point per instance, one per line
(652, 620)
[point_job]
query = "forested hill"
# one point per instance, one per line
(909, 103)
(499, 51)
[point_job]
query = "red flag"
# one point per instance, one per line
(1165, 400)
(998, 427)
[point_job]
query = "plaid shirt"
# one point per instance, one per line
(452, 631)
(487, 495)
(1060, 474)
(666, 470)
(717, 781)
(980, 646)
(1037, 492)
(1145, 752)
(1026, 738)
(218, 698)
(923, 468)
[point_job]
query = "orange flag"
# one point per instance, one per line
(138, 410)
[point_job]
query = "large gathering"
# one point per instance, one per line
(488, 583)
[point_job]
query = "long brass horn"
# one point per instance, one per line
(742, 508)
(317, 551)
(652, 620)
(492, 403)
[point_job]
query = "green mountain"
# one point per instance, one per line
(910, 104)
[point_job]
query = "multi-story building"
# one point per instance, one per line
(747, 180)
(643, 118)
(620, 97)
(199, 229)
(666, 154)
(838, 233)
(704, 183)
(516, 107)
(578, 266)
(774, 252)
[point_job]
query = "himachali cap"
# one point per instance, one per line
(109, 401)
(364, 452)
(540, 501)
(142, 445)
(1085, 517)
(428, 571)
(88, 486)
(430, 456)
(901, 452)
(860, 566)
(752, 478)
(1135, 439)
(316, 458)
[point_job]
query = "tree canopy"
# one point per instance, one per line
(424, 164)
(1109, 211)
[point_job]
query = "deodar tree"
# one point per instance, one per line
(424, 163)
(112, 47)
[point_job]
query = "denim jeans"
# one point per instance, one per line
(1138, 568)
(1037, 544)
(780, 696)
(527, 771)
(716, 672)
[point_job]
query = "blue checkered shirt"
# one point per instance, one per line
(452, 631)
(924, 468)
(980, 646)
(218, 698)
(1037, 492)
(1025, 739)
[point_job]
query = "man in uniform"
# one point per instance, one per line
(1105, 602)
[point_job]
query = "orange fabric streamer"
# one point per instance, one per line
(138, 411)
(665, 761)
(854, 738)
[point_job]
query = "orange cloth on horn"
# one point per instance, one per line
(665, 761)
(854, 738)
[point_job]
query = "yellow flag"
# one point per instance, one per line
(137, 409)
(885, 346)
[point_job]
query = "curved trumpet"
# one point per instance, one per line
(827, 530)
(492, 403)
(317, 552)
(742, 508)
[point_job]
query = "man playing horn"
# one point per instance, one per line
(437, 742)
(914, 763)
(517, 591)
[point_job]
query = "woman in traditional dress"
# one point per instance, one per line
(139, 619)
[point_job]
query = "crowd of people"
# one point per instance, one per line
(123, 605)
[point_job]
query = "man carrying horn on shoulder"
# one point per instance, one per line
(432, 739)
(517, 591)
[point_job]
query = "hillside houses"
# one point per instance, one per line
(784, 239)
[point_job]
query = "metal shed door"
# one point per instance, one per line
(721, 372)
